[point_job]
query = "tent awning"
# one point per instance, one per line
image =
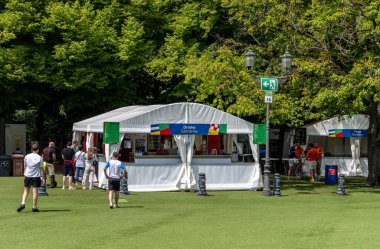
(138, 119)
(322, 128)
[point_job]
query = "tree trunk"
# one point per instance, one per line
(374, 145)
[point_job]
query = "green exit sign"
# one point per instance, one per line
(269, 84)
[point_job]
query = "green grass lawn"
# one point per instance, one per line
(306, 216)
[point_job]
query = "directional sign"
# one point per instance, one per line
(269, 84)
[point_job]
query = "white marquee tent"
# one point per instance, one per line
(155, 177)
(348, 166)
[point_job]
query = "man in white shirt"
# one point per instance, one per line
(34, 176)
(115, 169)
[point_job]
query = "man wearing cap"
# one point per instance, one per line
(34, 176)
(115, 168)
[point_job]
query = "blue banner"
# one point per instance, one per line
(188, 129)
(348, 133)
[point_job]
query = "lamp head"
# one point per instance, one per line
(250, 59)
(286, 60)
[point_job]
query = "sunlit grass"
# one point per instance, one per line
(306, 216)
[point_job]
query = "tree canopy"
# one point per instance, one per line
(72, 59)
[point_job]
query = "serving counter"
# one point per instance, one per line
(167, 173)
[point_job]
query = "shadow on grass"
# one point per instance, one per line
(55, 210)
(131, 207)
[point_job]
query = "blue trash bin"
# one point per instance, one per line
(331, 174)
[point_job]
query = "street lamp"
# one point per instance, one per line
(250, 59)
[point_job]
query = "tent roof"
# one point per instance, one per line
(322, 128)
(138, 119)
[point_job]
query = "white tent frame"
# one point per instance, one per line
(138, 120)
(357, 165)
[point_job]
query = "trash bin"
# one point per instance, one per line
(5, 165)
(331, 174)
(18, 164)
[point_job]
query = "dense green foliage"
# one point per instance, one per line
(71, 59)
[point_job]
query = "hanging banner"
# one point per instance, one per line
(188, 129)
(259, 134)
(111, 132)
(348, 133)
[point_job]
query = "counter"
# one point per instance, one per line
(175, 159)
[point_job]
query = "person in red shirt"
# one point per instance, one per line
(319, 159)
(312, 156)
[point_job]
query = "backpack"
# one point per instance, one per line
(47, 154)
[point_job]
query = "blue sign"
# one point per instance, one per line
(348, 133)
(188, 129)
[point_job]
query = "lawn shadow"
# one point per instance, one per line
(135, 206)
(55, 210)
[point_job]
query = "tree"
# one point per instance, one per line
(336, 66)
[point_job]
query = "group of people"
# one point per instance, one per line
(74, 159)
(77, 163)
(311, 158)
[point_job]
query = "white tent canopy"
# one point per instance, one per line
(322, 128)
(138, 120)
(347, 166)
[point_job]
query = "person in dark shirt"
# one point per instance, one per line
(68, 166)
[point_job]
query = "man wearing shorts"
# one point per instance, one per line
(48, 155)
(115, 168)
(312, 156)
(33, 172)
(319, 159)
(68, 165)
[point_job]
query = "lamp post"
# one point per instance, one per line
(250, 60)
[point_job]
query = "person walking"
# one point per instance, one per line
(49, 156)
(79, 160)
(89, 170)
(34, 176)
(68, 154)
(115, 169)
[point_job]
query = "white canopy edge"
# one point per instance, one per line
(138, 119)
(322, 128)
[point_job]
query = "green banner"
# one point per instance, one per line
(111, 132)
(259, 134)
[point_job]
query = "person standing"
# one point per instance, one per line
(89, 171)
(79, 160)
(68, 154)
(299, 155)
(48, 155)
(312, 157)
(34, 176)
(319, 159)
(293, 161)
(74, 145)
(115, 169)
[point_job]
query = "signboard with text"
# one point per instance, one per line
(188, 129)
(348, 133)
(269, 84)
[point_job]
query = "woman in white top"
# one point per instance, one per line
(79, 159)
(89, 170)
